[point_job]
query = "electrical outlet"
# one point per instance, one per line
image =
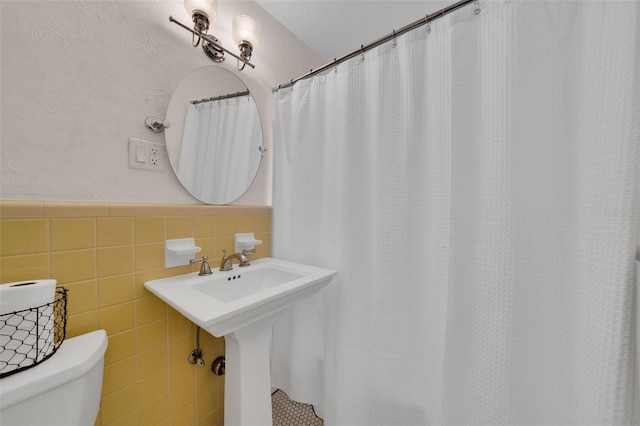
(154, 156)
(145, 155)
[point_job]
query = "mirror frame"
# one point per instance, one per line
(199, 83)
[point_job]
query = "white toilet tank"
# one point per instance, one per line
(64, 390)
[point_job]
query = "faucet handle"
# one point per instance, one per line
(205, 269)
(198, 259)
(224, 253)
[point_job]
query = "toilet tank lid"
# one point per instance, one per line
(74, 358)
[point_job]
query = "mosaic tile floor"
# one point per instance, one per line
(290, 413)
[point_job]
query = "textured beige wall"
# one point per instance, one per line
(79, 77)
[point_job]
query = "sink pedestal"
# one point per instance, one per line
(247, 394)
(241, 305)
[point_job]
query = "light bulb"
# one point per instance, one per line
(246, 29)
(199, 9)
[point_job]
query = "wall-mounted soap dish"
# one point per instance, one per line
(246, 241)
(179, 252)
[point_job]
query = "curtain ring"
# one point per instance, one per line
(394, 43)
(335, 65)
(477, 10)
(428, 29)
(362, 52)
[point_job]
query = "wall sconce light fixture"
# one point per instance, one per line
(246, 32)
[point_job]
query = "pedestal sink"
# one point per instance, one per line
(241, 305)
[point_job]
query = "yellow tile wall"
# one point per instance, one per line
(103, 253)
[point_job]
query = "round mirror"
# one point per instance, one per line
(215, 139)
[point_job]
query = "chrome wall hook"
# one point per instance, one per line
(156, 125)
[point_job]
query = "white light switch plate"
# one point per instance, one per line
(145, 155)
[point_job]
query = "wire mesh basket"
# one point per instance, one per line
(31, 336)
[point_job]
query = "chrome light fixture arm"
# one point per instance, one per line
(215, 43)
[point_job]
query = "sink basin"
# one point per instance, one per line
(245, 282)
(241, 305)
(226, 301)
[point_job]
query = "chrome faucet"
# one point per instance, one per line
(227, 262)
(205, 269)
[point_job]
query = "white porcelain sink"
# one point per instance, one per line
(226, 301)
(241, 305)
(245, 282)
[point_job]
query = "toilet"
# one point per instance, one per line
(64, 390)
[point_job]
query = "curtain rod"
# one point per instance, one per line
(221, 97)
(363, 48)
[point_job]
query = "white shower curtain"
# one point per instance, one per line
(213, 162)
(477, 187)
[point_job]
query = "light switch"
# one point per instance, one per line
(141, 154)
